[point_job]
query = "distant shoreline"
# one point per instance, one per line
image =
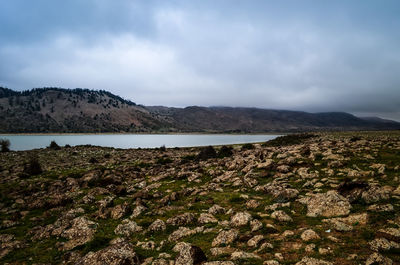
(181, 133)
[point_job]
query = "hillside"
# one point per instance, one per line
(78, 110)
(322, 199)
(83, 110)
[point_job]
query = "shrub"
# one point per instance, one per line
(164, 160)
(355, 138)
(162, 148)
(248, 146)
(207, 153)
(33, 166)
(93, 160)
(53, 145)
(290, 139)
(225, 151)
(188, 158)
(5, 145)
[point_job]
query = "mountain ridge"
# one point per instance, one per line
(58, 110)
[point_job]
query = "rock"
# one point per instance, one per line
(397, 191)
(325, 251)
(377, 258)
(328, 204)
(160, 261)
(8, 244)
(182, 219)
(281, 216)
(381, 208)
(147, 245)
(383, 244)
(118, 254)
(271, 262)
(309, 235)
(182, 232)
(179, 246)
(341, 226)
(216, 209)
(127, 228)
(219, 263)
(240, 219)
(376, 193)
(281, 191)
(266, 165)
(390, 233)
(312, 261)
(120, 210)
(238, 255)
(352, 190)
(138, 211)
(225, 237)
(190, 255)
(252, 204)
(277, 205)
(352, 219)
(81, 231)
(283, 168)
(310, 248)
(222, 251)
(255, 225)
(206, 218)
(157, 225)
(263, 246)
(254, 241)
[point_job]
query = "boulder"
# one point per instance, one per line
(190, 255)
(309, 235)
(225, 237)
(240, 219)
(118, 254)
(328, 204)
(127, 228)
(157, 225)
(81, 231)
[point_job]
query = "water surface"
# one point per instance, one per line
(28, 142)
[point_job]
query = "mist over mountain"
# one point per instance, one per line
(58, 110)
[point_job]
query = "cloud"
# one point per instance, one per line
(313, 57)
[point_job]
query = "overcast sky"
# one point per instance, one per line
(300, 55)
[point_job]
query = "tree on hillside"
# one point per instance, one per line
(5, 145)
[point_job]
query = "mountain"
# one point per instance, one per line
(84, 110)
(77, 110)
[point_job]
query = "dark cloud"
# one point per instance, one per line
(312, 56)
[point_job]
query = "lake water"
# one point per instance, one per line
(28, 142)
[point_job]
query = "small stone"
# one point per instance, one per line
(216, 209)
(123, 253)
(254, 241)
(312, 261)
(255, 225)
(241, 219)
(309, 235)
(190, 255)
(377, 258)
(225, 237)
(157, 225)
(281, 216)
(127, 228)
(238, 255)
(206, 218)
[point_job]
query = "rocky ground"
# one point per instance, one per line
(327, 199)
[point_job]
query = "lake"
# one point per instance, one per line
(28, 142)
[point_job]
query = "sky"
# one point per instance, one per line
(315, 56)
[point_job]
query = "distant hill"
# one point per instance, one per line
(83, 110)
(77, 110)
